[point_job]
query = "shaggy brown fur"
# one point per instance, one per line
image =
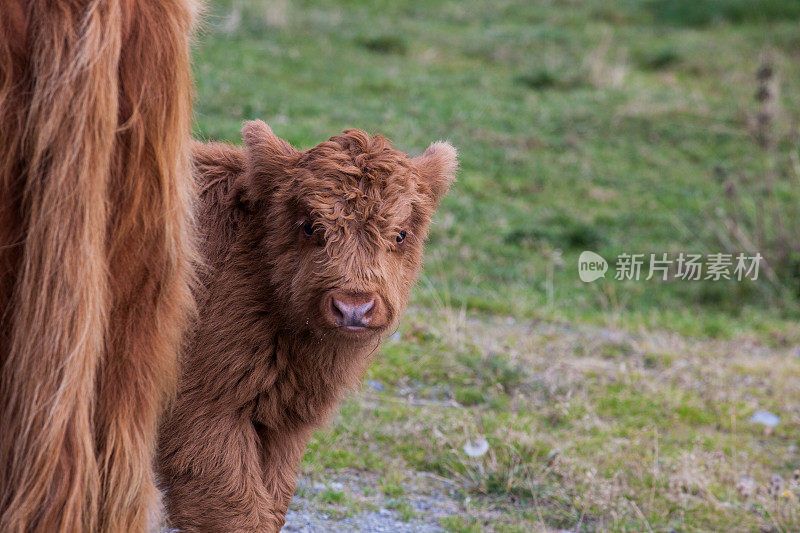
(95, 246)
(311, 259)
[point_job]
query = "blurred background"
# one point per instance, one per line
(515, 397)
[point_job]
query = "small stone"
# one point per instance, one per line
(765, 418)
(376, 385)
(746, 487)
(477, 447)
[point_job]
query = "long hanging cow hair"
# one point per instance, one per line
(95, 254)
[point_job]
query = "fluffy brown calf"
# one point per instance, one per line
(95, 248)
(311, 256)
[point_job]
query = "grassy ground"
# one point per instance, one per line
(588, 428)
(581, 125)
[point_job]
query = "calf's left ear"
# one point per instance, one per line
(437, 169)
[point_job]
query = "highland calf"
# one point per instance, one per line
(310, 258)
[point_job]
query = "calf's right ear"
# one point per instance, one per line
(268, 157)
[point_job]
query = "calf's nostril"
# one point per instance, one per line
(338, 309)
(365, 308)
(361, 313)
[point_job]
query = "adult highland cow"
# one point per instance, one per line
(311, 256)
(95, 251)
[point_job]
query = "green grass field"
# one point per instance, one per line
(581, 125)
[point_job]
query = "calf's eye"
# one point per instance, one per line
(401, 237)
(308, 229)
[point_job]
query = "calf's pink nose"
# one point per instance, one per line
(352, 310)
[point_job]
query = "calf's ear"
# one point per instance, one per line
(268, 157)
(437, 169)
(266, 151)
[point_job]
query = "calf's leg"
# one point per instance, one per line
(214, 482)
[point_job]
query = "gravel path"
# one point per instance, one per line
(369, 510)
(310, 521)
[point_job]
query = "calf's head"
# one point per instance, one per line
(342, 226)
